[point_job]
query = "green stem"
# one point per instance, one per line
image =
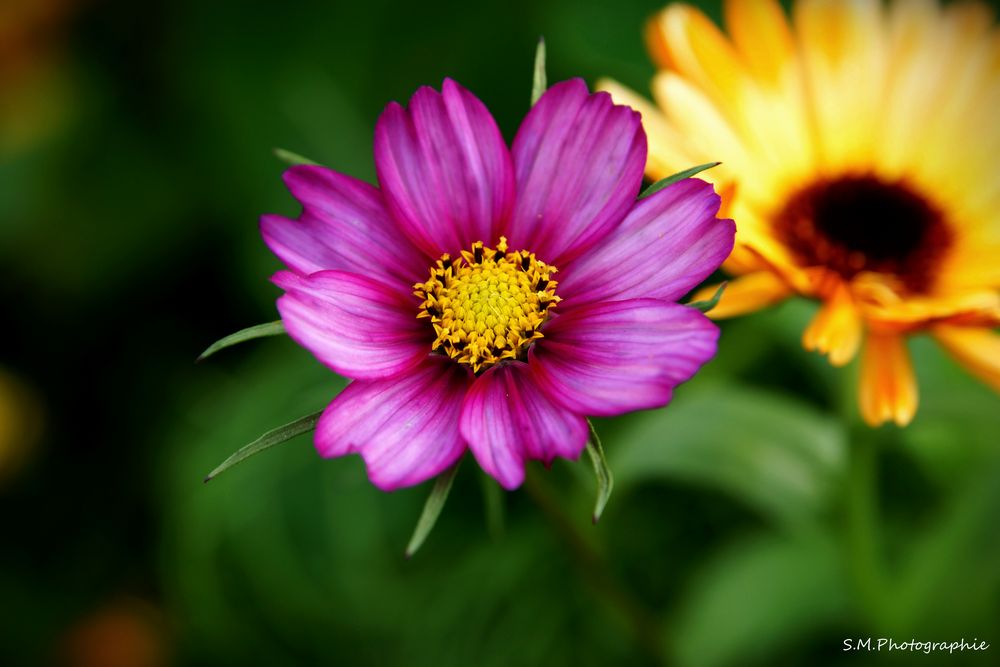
(864, 555)
(493, 503)
(597, 571)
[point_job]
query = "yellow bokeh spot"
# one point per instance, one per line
(488, 304)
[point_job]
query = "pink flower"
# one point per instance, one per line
(488, 298)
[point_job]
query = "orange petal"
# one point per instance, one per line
(836, 329)
(978, 350)
(743, 260)
(761, 34)
(745, 294)
(884, 303)
(683, 39)
(888, 386)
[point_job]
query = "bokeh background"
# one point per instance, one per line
(754, 521)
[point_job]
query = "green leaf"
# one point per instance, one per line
(539, 83)
(776, 454)
(605, 480)
(948, 575)
(432, 508)
(949, 396)
(705, 306)
(679, 176)
(292, 158)
(756, 599)
(249, 558)
(256, 331)
(269, 439)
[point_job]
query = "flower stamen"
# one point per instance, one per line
(487, 305)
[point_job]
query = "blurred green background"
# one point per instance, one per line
(755, 520)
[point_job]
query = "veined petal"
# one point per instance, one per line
(666, 144)
(405, 428)
(507, 419)
(356, 325)
(977, 349)
(746, 294)
(668, 243)
(343, 226)
(579, 160)
(888, 389)
(609, 358)
(836, 328)
(444, 168)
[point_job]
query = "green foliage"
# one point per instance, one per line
(768, 592)
(276, 328)
(432, 508)
(605, 479)
(271, 438)
(291, 158)
(493, 505)
(539, 82)
(679, 176)
(774, 453)
(299, 559)
(709, 304)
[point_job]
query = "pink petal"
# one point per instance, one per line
(444, 168)
(579, 162)
(405, 428)
(344, 225)
(356, 325)
(668, 243)
(507, 419)
(610, 358)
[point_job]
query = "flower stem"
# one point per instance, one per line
(862, 519)
(596, 571)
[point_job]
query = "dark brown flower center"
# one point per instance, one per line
(861, 223)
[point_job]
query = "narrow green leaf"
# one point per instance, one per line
(291, 158)
(679, 176)
(705, 306)
(432, 508)
(256, 331)
(270, 439)
(605, 480)
(540, 83)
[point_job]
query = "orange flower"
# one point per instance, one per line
(859, 149)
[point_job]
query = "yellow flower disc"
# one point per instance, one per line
(488, 304)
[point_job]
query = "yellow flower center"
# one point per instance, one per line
(488, 304)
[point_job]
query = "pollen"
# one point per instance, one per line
(487, 305)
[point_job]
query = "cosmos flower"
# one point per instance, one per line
(488, 298)
(859, 152)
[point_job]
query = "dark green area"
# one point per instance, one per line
(754, 521)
